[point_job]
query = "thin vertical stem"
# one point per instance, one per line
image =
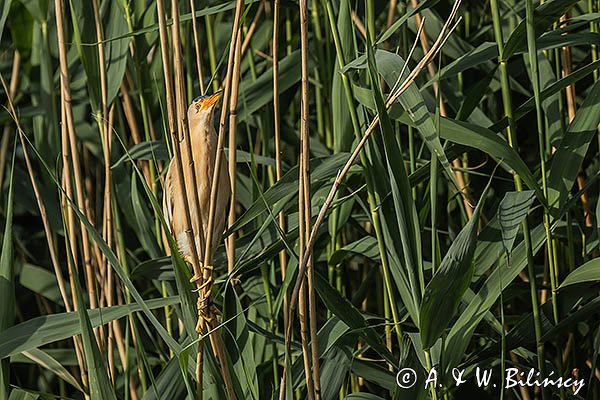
(46, 223)
(76, 167)
(12, 90)
(212, 58)
(252, 28)
(197, 46)
(305, 157)
(235, 81)
(105, 136)
(431, 68)
(277, 132)
(207, 273)
(512, 141)
(533, 61)
(371, 194)
(164, 42)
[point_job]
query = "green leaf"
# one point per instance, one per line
(362, 396)
(397, 24)
(255, 94)
(42, 282)
(544, 16)
(588, 272)
(390, 65)
(287, 187)
(487, 141)
(82, 17)
(151, 150)
(143, 221)
(333, 372)
(341, 122)
(568, 157)
(7, 281)
(40, 331)
(463, 329)
(481, 54)
(116, 51)
(445, 290)
(366, 246)
(99, 385)
(5, 7)
(238, 343)
(46, 361)
(407, 220)
(20, 394)
(169, 383)
(512, 210)
(344, 310)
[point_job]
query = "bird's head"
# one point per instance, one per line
(203, 107)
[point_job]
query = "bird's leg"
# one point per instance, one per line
(206, 309)
(206, 312)
(196, 277)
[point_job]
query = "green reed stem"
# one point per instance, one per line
(512, 140)
(371, 196)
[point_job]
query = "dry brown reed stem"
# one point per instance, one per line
(233, 103)
(522, 390)
(303, 217)
(129, 112)
(119, 333)
(391, 11)
(66, 184)
(303, 210)
(45, 222)
(110, 284)
(207, 273)
(596, 371)
(74, 152)
(42, 208)
(443, 36)
(305, 141)
(277, 132)
(181, 112)
(431, 68)
(70, 241)
(572, 109)
(14, 80)
(105, 137)
(197, 46)
(164, 43)
(219, 156)
(252, 27)
(359, 24)
(105, 132)
(181, 107)
(304, 334)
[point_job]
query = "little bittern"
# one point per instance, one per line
(203, 143)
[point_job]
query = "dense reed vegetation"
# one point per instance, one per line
(386, 217)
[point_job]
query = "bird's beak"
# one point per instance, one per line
(207, 102)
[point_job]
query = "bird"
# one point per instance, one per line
(202, 140)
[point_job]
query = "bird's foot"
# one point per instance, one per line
(206, 313)
(196, 278)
